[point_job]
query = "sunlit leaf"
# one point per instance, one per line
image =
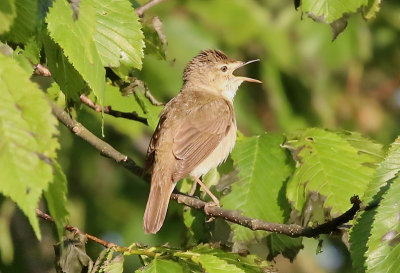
(383, 245)
(118, 36)
(75, 37)
(161, 266)
(27, 139)
(247, 263)
(360, 232)
(330, 11)
(329, 165)
(263, 168)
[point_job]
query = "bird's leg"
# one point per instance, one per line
(193, 189)
(207, 190)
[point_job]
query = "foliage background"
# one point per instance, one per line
(351, 83)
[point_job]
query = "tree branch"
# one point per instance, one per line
(140, 10)
(208, 208)
(47, 217)
(108, 110)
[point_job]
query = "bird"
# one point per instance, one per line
(196, 130)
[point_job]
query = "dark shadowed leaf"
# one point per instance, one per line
(56, 197)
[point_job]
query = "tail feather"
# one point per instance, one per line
(157, 204)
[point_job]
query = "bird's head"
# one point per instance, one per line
(212, 70)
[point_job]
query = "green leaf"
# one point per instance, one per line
(56, 197)
(27, 139)
(25, 23)
(364, 145)
(155, 40)
(7, 14)
(370, 10)
(195, 221)
(383, 246)
(329, 10)
(386, 171)
(118, 36)
(32, 50)
(161, 266)
(263, 169)
(247, 263)
(278, 243)
(66, 76)
(211, 263)
(75, 37)
(151, 111)
(329, 165)
(115, 265)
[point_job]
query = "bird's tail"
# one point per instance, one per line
(157, 204)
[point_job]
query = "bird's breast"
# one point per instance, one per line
(219, 154)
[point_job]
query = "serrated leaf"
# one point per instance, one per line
(383, 246)
(282, 244)
(7, 14)
(115, 265)
(359, 235)
(263, 168)
(330, 166)
(330, 11)
(364, 145)
(56, 197)
(118, 36)
(161, 266)
(32, 50)
(387, 170)
(248, 263)
(75, 37)
(27, 139)
(26, 21)
(211, 263)
(66, 76)
(151, 111)
(360, 232)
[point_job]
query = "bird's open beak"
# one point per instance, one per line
(241, 64)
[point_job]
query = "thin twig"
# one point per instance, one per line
(108, 110)
(151, 98)
(104, 243)
(208, 208)
(140, 10)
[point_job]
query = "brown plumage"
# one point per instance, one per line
(196, 131)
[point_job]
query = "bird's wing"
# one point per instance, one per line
(199, 134)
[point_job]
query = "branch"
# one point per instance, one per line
(257, 224)
(208, 208)
(140, 10)
(105, 149)
(108, 110)
(47, 217)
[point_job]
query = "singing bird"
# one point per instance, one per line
(196, 131)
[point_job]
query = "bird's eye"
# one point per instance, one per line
(224, 68)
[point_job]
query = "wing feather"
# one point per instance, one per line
(199, 134)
